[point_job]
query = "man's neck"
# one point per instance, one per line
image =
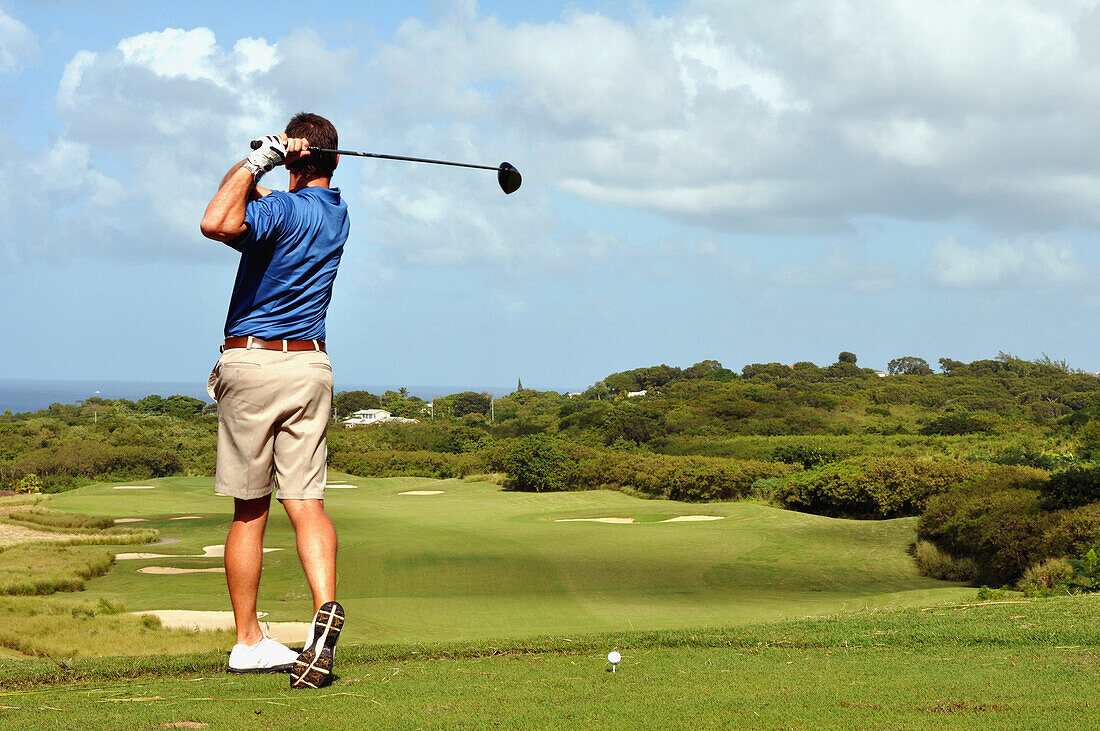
(298, 182)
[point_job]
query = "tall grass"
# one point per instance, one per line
(64, 627)
(46, 519)
(87, 530)
(36, 569)
(941, 565)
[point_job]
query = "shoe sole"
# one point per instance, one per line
(313, 668)
(250, 671)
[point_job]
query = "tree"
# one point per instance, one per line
(631, 424)
(183, 406)
(947, 365)
(846, 357)
(535, 464)
(348, 402)
(908, 365)
(151, 404)
(702, 369)
(469, 402)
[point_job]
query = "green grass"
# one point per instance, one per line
(43, 568)
(475, 609)
(478, 562)
(1027, 664)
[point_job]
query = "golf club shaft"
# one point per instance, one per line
(407, 159)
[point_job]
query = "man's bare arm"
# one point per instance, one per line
(224, 217)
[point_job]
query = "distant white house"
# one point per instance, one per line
(881, 374)
(380, 414)
(574, 394)
(365, 417)
(634, 394)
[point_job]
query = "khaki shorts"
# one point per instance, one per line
(273, 409)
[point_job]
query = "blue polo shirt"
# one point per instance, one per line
(289, 258)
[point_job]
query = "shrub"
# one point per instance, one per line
(392, 463)
(535, 464)
(1086, 574)
(873, 488)
(997, 521)
(941, 565)
(1073, 532)
(806, 455)
(1072, 488)
(1042, 578)
(958, 422)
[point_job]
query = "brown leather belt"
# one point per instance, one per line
(286, 346)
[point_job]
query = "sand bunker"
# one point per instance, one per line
(341, 487)
(188, 517)
(177, 570)
(677, 519)
(218, 550)
(130, 520)
(199, 621)
(135, 487)
(421, 492)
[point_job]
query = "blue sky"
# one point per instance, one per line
(732, 180)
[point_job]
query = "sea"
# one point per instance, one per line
(20, 396)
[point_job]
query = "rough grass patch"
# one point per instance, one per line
(1044, 576)
(941, 565)
(46, 519)
(36, 569)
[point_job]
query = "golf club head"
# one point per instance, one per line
(509, 178)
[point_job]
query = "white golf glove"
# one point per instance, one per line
(267, 152)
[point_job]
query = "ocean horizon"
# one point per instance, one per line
(23, 395)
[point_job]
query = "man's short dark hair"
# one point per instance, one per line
(320, 133)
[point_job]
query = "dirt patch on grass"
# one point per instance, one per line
(421, 492)
(595, 520)
(169, 570)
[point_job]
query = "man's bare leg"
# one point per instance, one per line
(316, 539)
(244, 557)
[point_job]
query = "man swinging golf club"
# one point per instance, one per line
(273, 383)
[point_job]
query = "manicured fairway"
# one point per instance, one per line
(478, 562)
(1019, 665)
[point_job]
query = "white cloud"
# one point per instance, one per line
(783, 117)
(72, 76)
(17, 43)
(1003, 264)
(786, 117)
(838, 268)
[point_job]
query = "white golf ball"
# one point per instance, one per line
(614, 657)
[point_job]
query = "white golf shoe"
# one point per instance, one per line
(266, 656)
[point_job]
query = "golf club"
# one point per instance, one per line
(507, 175)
